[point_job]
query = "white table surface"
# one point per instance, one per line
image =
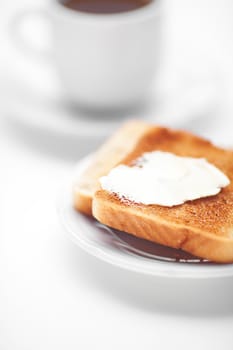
(53, 295)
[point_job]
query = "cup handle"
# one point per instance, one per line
(19, 39)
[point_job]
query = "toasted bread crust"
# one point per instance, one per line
(203, 227)
(134, 220)
(82, 202)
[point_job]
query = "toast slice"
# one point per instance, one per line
(202, 227)
(110, 154)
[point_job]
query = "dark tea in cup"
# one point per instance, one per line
(105, 6)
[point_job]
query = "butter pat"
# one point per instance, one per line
(165, 179)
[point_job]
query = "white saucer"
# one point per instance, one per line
(105, 246)
(26, 104)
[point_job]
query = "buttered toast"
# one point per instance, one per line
(111, 153)
(202, 227)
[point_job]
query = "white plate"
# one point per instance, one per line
(108, 247)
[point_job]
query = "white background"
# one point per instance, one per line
(53, 295)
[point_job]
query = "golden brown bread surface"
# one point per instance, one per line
(203, 227)
(111, 153)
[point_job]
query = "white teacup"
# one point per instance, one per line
(105, 61)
